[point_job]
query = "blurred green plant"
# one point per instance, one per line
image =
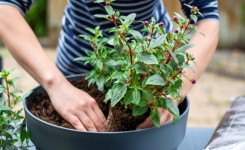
(36, 18)
(243, 12)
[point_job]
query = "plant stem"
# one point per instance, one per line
(8, 93)
(177, 43)
(151, 36)
(131, 57)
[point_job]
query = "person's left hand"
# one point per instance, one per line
(166, 116)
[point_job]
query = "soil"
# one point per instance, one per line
(42, 107)
(117, 120)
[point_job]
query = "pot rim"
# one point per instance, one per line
(88, 132)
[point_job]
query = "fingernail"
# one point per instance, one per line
(138, 128)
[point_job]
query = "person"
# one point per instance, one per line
(74, 105)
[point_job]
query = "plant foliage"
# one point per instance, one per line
(141, 71)
(13, 132)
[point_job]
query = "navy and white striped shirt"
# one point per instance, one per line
(78, 15)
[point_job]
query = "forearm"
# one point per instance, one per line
(203, 52)
(25, 48)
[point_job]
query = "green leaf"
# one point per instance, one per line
(137, 35)
(147, 58)
(194, 62)
(189, 67)
(135, 77)
(172, 93)
(122, 78)
(129, 19)
(7, 142)
(200, 14)
(11, 83)
(163, 102)
(2, 100)
(2, 107)
(201, 32)
(147, 94)
(117, 14)
(99, 64)
(140, 69)
(172, 81)
(178, 85)
(174, 57)
(159, 40)
(17, 91)
(194, 17)
(111, 62)
(102, 16)
(22, 135)
(109, 10)
(136, 97)
(91, 81)
(90, 74)
(100, 82)
(169, 67)
(128, 97)
(23, 97)
(185, 47)
(116, 75)
(8, 134)
(172, 106)
(82, 58)
(142, 102)
(118, 92)
(189, 34)
(99, 1)
(188, 6)
(156, 79)
(11, 70)
(2, 89)
(118, 44)
(155, 117)
(181, 60)
(108, 95)
(90, 30)
(144, 82)
(139, 110)
(179, 16)
(175, 119)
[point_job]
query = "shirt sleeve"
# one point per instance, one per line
(209, 9)
(22, 5)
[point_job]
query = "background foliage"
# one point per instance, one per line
(37, 18)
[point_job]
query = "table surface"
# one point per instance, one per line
(195, 139)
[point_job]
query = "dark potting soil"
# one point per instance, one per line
(42, 107)
(117, 120)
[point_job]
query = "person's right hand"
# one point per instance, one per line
(77, 107)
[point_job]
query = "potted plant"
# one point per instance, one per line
(13, 132)
(139, 74)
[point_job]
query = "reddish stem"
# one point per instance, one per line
(151, 36)
(131, 57)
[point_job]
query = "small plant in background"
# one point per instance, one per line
(141, 72)
(13, 132)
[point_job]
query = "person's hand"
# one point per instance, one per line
(78, 108)
(166, 116)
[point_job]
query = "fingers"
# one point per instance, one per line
(98, 112)
(146, 124)
(86, 121)
(165, 117)
(100, 126)
(75, 122)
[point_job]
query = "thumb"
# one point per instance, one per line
(146, 124)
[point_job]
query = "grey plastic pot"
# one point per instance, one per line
(47, 136)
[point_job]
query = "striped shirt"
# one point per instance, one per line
(78, 15)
